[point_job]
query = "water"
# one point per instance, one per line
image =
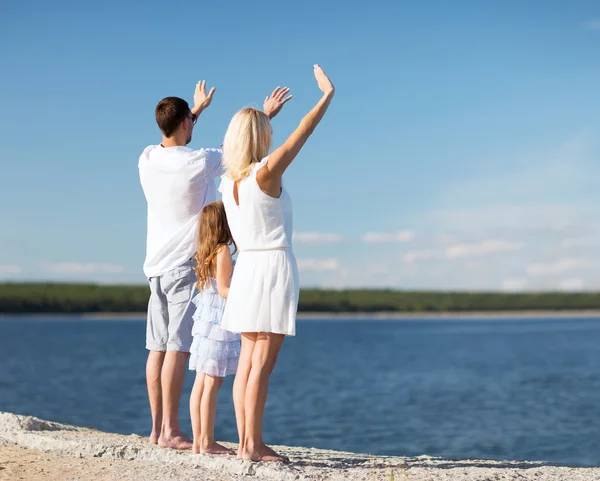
(494, 389)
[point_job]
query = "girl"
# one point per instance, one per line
(215, 352)
(264, 291)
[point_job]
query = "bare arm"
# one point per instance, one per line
(224, 271)
(269, 177)
(201, 99)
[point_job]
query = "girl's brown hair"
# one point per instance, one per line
(213, 233)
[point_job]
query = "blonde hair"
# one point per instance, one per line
(247, 140)
(213, 234)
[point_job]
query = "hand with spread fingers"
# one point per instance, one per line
(201, 99)
(274, 103)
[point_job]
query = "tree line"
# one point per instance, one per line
(79, 298)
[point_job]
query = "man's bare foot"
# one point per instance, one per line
(212, 448)
(175, 442)
(263, 453)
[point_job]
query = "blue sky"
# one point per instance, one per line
(461, 150)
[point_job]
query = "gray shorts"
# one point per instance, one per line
(170, 310)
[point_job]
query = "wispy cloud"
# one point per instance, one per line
(557, 267)
(593, 24)
(486, 247)
(572, 284)
(9, 269)
(82, 268)
(514, 284)
(382, 237)
(318, 264)
(317, 237)
(415, 256)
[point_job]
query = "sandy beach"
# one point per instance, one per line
(33, 449)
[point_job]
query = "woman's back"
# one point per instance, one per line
(258, 221)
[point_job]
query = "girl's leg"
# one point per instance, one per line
(264, 356)
(208, 413)
(195, 403)
(239, 384)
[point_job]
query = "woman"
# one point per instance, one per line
(263, 297)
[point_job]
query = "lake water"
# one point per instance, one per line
(524, 389)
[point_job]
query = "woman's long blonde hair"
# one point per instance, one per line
(213, 233)
(247, 140)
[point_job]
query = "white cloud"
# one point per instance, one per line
(382, 237)
(82, 268)
(557, 267)
(572, 284)
(486, 247)
(574, 242)
(592, 24)
(318, 264)
(316, 237)
(514, 284)
(9, 269)
(419, 255)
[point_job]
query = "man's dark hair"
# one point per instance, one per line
(170, 112)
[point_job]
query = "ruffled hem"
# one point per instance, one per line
(216, 358)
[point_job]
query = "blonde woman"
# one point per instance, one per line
(263, 297)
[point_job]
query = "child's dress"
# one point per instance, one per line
(214, 351)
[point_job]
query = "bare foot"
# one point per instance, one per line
(265, 454)
(216, 448)
(154, 438)
(175, 442)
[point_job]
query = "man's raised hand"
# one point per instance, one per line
(201, 99)
(274, 103)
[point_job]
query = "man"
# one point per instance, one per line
(177, 182)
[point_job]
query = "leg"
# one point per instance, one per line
(178, 288)
(208, 411)
(239, 384)
(153, 369)
(195, 400)
(264, 357)
(172, 375)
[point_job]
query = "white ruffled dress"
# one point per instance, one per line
(214, 351)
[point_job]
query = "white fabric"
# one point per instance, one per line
(177, 183)
(264, 291)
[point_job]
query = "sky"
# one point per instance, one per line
(461, 151)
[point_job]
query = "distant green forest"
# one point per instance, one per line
(80, 298)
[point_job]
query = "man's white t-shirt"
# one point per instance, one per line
(177, 183)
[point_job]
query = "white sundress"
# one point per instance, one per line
(214, 351)
(264, 291)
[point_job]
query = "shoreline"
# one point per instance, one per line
(37, 449)
(381, 315)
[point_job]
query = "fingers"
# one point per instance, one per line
(282, 93)
(211, 93)
(286, 99)
(275, 91)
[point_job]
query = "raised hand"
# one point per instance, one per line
(323, 81)
(274, 103)
(201, 99)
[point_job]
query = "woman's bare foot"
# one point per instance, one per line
(175, 442)
(263, 453)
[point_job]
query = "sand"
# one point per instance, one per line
(33, 449)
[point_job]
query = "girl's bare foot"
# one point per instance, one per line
(216, 448)
(263, 453)
(154, 438)
(175, 442)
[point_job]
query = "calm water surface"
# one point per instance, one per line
(494, 389)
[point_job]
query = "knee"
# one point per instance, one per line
(264, 362)
(213, 381)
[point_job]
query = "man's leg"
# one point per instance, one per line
(178, 286)
(173, 371)
(153, 374)
(156, 343)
